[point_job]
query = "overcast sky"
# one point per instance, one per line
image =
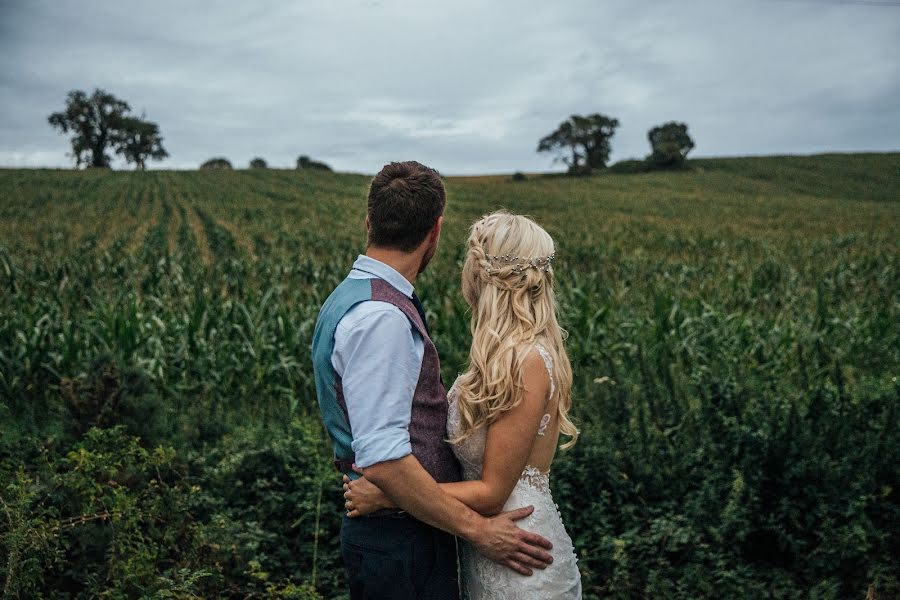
(466, 86)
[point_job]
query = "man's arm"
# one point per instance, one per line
(379, 360)
(498, 538)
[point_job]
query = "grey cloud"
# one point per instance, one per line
(467, 86)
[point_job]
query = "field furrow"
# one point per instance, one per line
(198, 235)
(146, 221)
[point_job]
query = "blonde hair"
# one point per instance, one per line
(512, 308)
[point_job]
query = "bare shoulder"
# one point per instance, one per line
(534, 374)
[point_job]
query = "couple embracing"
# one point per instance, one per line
(423, 467)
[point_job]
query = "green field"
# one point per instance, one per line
(734, 332)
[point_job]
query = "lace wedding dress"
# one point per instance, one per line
(483, 579)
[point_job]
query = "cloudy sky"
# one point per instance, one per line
(466, 86)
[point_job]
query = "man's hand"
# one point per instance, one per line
(502, 541)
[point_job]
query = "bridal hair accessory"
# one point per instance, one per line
(520, 263)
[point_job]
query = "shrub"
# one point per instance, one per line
(631, 166)
(106, 396)
(272, 508)
(258, 163)
(519, 176)
(216, 163)
(305, 162)
(579, 170)
(108, 518)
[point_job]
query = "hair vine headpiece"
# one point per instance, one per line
(520, 263)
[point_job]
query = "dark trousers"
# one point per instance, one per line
(397, 557)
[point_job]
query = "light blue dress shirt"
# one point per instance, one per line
(378, 356)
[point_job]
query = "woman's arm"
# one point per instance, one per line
(509, 442)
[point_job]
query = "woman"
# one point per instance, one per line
(509, 408)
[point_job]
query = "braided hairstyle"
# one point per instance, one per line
(507, 280)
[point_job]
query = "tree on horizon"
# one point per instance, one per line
(101, 122)
(670, 144)
(581, 142)
(140, 140)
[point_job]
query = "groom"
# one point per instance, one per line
(385, 408)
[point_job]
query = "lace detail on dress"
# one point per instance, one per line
(545, 420)
(533, 477)
(549, 362)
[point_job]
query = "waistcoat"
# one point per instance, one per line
(428, 420)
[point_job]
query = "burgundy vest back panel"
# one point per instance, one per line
(428, 422)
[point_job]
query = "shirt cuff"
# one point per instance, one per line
(379, 446)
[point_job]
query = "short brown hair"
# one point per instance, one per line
(405, 201)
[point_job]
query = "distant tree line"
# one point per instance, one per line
(100, 122)
(583, 144)
(303, 162)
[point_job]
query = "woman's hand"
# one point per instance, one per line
(362, 497)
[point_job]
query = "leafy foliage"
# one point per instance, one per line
(100, 122)
(139, 140)
(218, 162)
(305, 162)
(631, 166)
(581, 142)
(258, 163)
(670, 145)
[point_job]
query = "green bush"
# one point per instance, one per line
(218, 162)
(107, 518)
(257, 517)
(630, 166)
(271, 507)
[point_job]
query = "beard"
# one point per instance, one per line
(426, 258)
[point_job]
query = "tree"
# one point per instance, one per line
(670, 144)
(258, 163)
(304, 162)
(582, 142)
(100, 122)
(139, 140)
(216, 163)
(94, 122)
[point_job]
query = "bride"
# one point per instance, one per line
(508, 409)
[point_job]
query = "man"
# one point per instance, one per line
(385, 407)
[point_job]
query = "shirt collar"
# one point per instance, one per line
(367, 264)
